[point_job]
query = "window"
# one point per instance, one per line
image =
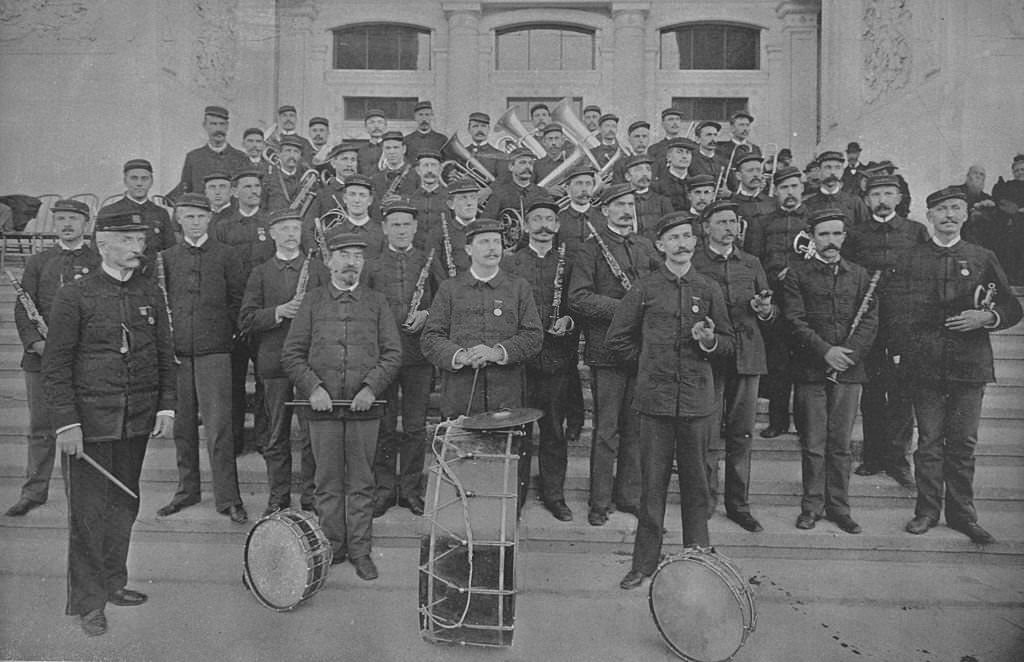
(382, 46)
(545, 48)
(394, 108)
(710, 46)
(698, 109)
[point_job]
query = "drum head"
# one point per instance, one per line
(500, 419)
(277, 562)
(697, 614)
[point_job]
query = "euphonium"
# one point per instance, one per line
(512, 223)
(511, 124)
(803, 244)
(463, 164)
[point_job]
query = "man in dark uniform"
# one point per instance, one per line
(217, 188)
(479, 128)
(853, 172)
(739, 140)
(273, 294)
(284, 183)
(821, 300)
(671, 323)
(108, 375)
(68, 260)
(553, 140)
(253, 144)
(357, 198)
(287, 127)
(215, 156)
(591, 117)
(888, 416)
(138, 180)
(672, 127)
(547, 268)
(204, 284)
(751, 196)
(705, 159)
(512, 194)
(672, 182)
(344, 162)
(449, 239)
(572, 220)
(398, 465)
(429, 196)
(700, 190)
(887, 167)
(745, 288)
(343, 345)
(650, 205)
(608, 135)
(831, 194)
(540, 115)
(319, 133)
(397, 176)
(369, 154)
(605, 268)
(949, 296)
(424, 138)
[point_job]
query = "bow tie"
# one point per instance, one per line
(77, 252)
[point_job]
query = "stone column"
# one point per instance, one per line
(463, 74)
(800, 51)
(294, 53)
(629, 21)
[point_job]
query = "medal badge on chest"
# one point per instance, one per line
(497, 307)
(261, 234)
(964, 271)
(695, 308)
(147, 312)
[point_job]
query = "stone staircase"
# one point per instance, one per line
(879, 504)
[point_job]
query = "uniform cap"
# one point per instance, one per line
(429, 154)
(76, 206)
(554, 127)
(706, 123)
(943, 194)
(674, 219)
(358, 180)
(592, 108)
(717, 206)
(481, 225)
(520, 152)
(341, 148)
(313, 121)
(878, 181)
(121, 222)
(579, 171)
(138, 164)
(637, 159)
(392, 135)
(216, 111)
(541, 202)
(823, 215)
(682, 143)
(668, 112)
(749, 156)
(616, 191)
(281, 215)
(422, 105)
(607, 117)
(480, 117)
(741, 113)
(293, 141)
(400, 205)
(337, 238)
(698, 181)
(782, 174)
(831, 155)
(286, 108)
(252, 131)
(374, 112)
(247, 172)
(639, 124)
(465, 185)
(197, 200)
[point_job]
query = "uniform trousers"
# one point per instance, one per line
(548, 392)
(947, 433)
(241, 354)
(277, 453)
(204, 389)
(42, 443)
(825, 413)
(737, 405)
(575, 414)
(615, 440)
(344, 451)
(778, 383)
(662, 440)
(100, 520)
(887, 414)
(398, 465)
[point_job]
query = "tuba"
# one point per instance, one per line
(803, 244)
(511, 125)
(462, 164)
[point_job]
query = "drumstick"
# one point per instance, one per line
(109, 476)
(472, 391)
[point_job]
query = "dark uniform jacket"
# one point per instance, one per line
(652, 326)
(417, 141)
(856, 211)
(595, 292)
(394, 274)
(543, 167)
(44, 274)
(248, 236)
(429, 207)
(202, 161)
(573, 230)
(672, 188)
(270, 285)
(371, 232)
(707, 165)
(741, 277)
(280, 188)
(368, 158)
(819, 302)
(109, 362)
(204, 286)
(342, 341)
(160, 228)
(650, 207)
(932, 283)
(557, 353)
(509, 195)
(771, 240)
(463, 316)
(489, 157)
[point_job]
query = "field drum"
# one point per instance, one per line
(702, 606)
(287, 557)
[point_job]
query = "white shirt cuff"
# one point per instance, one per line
(504, 354)
(706, 350)
(455, 366)
(166, 412)
(67, 427)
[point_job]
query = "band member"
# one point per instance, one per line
(356, 199)
(745, 288)
(540, 115)
(138, 180)
(424, 138)
(397, 168)
(554, 143)
(344, 160)
(671, 323)
(430, 197)
(284, 182)
(215, 156)
(343, 344)
(273, 294)
(650, 205)
(750, 194)
(706, 160)
(812, 177)
(68, 260)
(449, 239)
(217, 188)
(639, 136)
(853, 172)
(254, 144)
(608, 264)
(949, 295)
(831, 194)
(672, 183)
(204, 284)
(479, 128)
(671, 127)
(512, 194)
(591, 117)
(771, 241)
(887, 167)
(739, 140)
(833, 320)
(397, 273)
(483, 325)
(319, 132)
(887, 413)
(547, 268)
(608, 134)
(287, 127)
(572, 220)
(108, 375)
(369, 153)
(700, 190)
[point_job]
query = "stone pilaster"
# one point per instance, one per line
(463, 60)
(629, 77)
(799, 83)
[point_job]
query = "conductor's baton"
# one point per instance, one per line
(109, 476)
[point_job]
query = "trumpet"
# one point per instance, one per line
(803, 244)
(522, 136)
(271, 156)
(985, 297)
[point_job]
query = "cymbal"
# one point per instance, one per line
(501, 418)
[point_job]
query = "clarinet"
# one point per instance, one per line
(869, 296)
(303, 284)
(613, 264)
(447, 247)
(421, 286)
(556, 299)
(161, 281)
(396, 182)
(29, 305)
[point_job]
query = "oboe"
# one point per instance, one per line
(448, 258)
(28, 304)
(556, 299)
(421, 286)
(161, 282)
(613, 264)
(865, 304)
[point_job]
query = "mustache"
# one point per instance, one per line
(829, 247)
(831, 179)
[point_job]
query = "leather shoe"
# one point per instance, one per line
(919, 525)
(365, 568)
(572, 435)
(770, 432)
(747, 521)
(272, 508)
(631, 510)
(380, 508)
(903, 477)
(94, 623)
(846, 523)
(633, 579)
(338, 557)
(866, 469)
(21, 507)
(175, 506)
(237, 514)
(560, 510)
(125, 597)
(806, 521)
(973, 530)
(597, 517)
(414, 504)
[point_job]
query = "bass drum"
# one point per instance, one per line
(701, 605)
(287, 557)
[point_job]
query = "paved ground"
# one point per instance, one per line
(569, 608)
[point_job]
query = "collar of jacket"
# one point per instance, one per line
(827, 266)
(672, 278)
(337, 294)
(608, 233)
(715, 256)
(294, 263)
(493, 283)
(894, 223)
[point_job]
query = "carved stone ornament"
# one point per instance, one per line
(215, 47)
(886, 47)
(47, 21)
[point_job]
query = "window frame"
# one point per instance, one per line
(584, 30)
(419, 30)
(671, 30)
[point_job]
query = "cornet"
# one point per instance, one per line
(803, 244)
(463, 164)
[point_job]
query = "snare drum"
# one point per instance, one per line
(701, 605)
(287, 557)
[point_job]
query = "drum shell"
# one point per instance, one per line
(287, 558)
